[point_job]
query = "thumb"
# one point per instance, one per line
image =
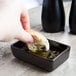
(25, 36)
(24, 18)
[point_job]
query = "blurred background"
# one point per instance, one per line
(34, 3)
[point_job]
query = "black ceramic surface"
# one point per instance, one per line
(72, 18)
(53, 16)
(20, 51)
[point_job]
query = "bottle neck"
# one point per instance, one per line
(51, 1)
(73, 1)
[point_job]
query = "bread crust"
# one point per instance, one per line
(39, 38)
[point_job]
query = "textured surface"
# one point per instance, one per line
(10, 66)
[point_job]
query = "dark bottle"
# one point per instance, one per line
(72, 18)
(53, 17)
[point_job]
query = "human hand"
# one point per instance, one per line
(13, 23)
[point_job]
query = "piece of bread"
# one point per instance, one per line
(39, 38)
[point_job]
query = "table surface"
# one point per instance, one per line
(10, 66)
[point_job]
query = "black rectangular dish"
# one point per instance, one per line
(20, 51)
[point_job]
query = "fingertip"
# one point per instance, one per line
(25, 37)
